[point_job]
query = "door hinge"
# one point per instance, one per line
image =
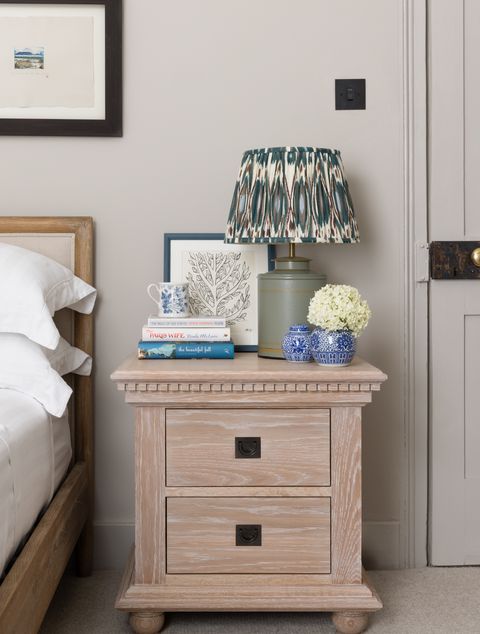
(422, 262)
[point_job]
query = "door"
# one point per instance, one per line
(454, 215)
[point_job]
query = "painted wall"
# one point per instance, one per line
(204, 81)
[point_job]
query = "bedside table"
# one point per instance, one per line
(247, 489)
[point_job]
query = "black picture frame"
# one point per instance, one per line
(112, 124)
(167, 253)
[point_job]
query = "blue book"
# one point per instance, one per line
(185, 350)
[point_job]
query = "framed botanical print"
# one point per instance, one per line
(222, 279)
(61, 67)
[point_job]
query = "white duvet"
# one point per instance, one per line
(35, 451)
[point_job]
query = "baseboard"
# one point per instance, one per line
(381, 545)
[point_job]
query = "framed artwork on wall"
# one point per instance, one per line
(222, 279)
(61, 67)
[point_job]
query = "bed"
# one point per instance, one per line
(39, 463)
(35, 452)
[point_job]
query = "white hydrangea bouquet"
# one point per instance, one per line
(340, 314)
(339, 307)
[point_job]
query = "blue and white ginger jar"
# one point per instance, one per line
(334, 348)
(296, 344)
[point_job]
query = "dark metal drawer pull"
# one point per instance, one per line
(248, 447)
(248, 534)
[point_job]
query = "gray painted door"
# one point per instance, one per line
(454, 27)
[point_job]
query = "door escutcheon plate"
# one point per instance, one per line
(453, 260)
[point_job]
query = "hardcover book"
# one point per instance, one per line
(185, 350)
(185, 334)
(198, 321)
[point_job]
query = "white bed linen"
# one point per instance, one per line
(35, 451)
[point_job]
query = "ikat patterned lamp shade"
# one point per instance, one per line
(291, 194)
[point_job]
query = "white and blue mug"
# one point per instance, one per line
(171, 298)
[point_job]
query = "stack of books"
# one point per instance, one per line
(186, 338)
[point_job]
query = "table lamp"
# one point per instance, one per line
(288, 195)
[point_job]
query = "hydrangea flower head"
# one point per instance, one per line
(339, 307)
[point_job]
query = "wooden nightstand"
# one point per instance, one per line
(248, 489)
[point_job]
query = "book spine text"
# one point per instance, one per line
(187, 322)
(172, 350)
(185, 334)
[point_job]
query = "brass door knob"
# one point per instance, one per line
(475, 256)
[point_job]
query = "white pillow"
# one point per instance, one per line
(24, 366)
(32, 288)
(66, 358)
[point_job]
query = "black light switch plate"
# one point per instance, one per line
(349, 94)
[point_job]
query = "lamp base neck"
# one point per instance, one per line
(292, 262)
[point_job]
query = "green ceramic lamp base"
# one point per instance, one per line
(283, 298)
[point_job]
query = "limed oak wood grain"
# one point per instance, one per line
(245, 368)
(295, 447)
(350, 621)
(149, 495)
(248, 491)
(146, 622)
(295, 535)
(315, 398)
(346, 495)
(309, 420)
(245, 596)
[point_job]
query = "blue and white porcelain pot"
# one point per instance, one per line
(296, 344)
(335, 348)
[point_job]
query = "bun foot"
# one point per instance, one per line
(350, 622)
(146, 622)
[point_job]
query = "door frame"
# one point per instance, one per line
(416, 354)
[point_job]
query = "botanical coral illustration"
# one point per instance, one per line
(219, 284)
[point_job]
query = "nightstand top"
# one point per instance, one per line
(245, 366)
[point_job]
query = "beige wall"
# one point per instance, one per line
(203, 81)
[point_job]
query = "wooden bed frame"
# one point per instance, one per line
(30, 584)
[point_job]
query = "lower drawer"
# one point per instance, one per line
(248, 535)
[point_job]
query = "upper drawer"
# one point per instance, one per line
(248, 447)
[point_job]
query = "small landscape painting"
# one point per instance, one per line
(29, 58)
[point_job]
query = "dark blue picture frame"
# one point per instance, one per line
(168, 238)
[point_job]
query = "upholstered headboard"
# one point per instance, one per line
(68, 240)
(59, 247)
